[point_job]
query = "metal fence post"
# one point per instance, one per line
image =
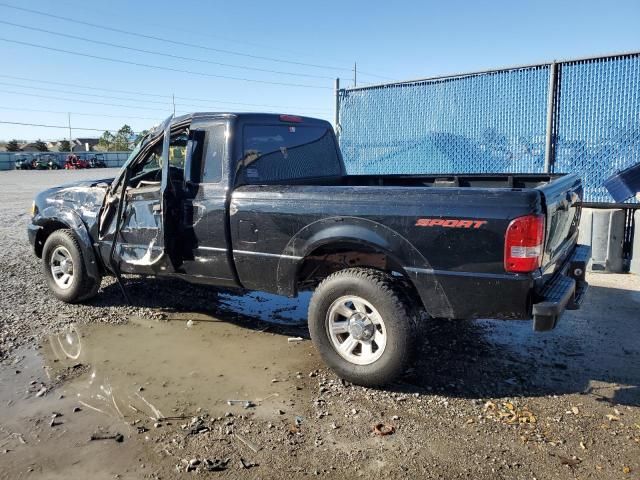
(549, 151)
(337, 113)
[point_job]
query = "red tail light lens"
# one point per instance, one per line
(290, 118)
(523, 244)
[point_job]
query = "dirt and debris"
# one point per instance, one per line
(383, 429)
(118, 437)
(484, 400)
(244, 403)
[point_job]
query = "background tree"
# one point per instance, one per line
(123, 138)
(41, 146)
(107, 140)
(140, 136)
(13, 146)
(64, 146)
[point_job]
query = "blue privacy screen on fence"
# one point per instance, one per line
(493, 122)
(479, 123)
(598, 120)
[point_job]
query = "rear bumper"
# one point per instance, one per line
(565, 291)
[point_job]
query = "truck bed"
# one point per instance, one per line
(505, 180)
(495, 180)
(282, 223)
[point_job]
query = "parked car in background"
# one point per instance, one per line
(56, 162)
(24, 162)
(40, 163)
(73, 162)
(97, 161)
(46, 161)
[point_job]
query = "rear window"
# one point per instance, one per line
(287, 152)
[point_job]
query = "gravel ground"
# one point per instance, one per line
(485, 399)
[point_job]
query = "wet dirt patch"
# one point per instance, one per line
(142, 380)
(43, 432)
(195, 362)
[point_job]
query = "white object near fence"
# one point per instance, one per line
(635, 258)
(604, 231)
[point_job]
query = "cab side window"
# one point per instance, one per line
(213, 154)
(277, 153)
(205, 153)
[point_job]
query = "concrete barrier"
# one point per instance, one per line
(604, 231)
(635, 252)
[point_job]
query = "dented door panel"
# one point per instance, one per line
(140, 242)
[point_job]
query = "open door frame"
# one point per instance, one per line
(135, 208)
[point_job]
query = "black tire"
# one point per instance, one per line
(82, 286)
(380, 290)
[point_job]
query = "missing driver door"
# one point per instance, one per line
(141, 244)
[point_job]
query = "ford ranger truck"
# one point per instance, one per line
(263, 202)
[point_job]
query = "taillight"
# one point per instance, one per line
(290, 118)
(523, 244)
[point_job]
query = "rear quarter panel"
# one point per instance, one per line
(450, 265)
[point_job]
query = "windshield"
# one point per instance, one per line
(131, 156)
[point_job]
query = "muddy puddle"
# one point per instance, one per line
(139, 380)
(162, 367)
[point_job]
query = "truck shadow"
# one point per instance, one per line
(593, 351)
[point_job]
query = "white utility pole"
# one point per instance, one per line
(69, 118)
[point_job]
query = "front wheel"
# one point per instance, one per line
(361, 326)
(64, 268)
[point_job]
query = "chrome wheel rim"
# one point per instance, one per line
(356, 330)
(61, 265)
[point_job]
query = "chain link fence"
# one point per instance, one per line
(597, 130)
(578, 116)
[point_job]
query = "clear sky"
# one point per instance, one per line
(313, 43)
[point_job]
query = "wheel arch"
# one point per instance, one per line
(336, 243)
(46, 229)
(53, 219)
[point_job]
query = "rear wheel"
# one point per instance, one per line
(64, 269)
(361, 325)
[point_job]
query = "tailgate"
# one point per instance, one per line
(561, 200)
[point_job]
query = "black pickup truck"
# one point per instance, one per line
(263, 202)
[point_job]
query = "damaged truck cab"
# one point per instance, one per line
(263, 202)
